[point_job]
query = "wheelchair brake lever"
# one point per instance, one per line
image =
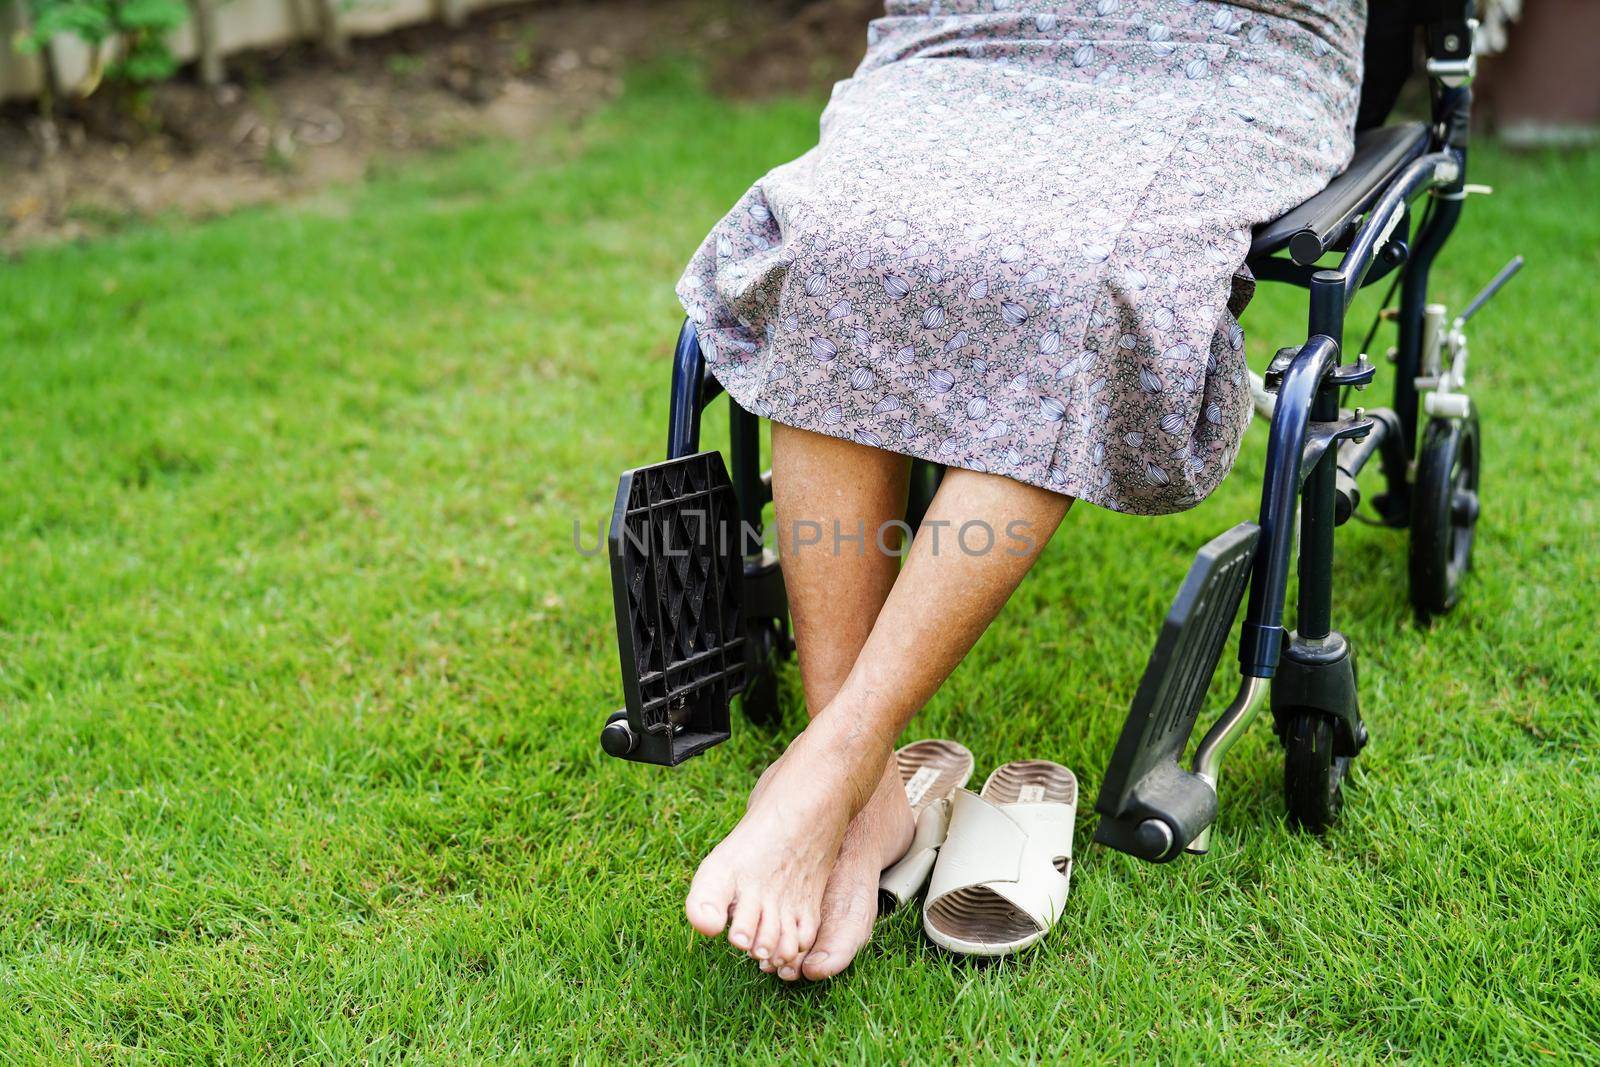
(1507, 272)
(1445, 356)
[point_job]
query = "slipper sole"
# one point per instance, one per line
(931, 771)
(978, 921)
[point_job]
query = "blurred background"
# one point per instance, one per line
(116, 109)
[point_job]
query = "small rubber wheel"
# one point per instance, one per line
(1313, 777)
(768, 645)
(1444, 513)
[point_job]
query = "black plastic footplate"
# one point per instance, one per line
(676, 584)
(1150, 807)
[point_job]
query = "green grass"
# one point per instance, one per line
(301, 675)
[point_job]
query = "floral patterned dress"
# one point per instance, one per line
(1019, 245)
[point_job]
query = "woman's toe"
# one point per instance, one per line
(746, 918)
(805, 934)
(768, 934)
(711, 895)
(788, 950)
(845, 928)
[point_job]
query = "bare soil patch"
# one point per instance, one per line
(292, 121)
(804, 46)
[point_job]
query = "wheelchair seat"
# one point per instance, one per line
(1319, 224)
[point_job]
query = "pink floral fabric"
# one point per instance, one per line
(1019, 245)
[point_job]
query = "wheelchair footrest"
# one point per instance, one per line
(676, 577)
(1149, 806)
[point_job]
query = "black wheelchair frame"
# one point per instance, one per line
(710, 620)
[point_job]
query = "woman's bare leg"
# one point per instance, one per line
(954, 582)
(831, 498)
(821, 484)
(949, 591)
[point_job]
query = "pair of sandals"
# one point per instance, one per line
(996, 863)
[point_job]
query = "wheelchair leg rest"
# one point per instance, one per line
(677, 591)
(1149, 806)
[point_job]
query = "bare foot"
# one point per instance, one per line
(764, 882)
(876, 838)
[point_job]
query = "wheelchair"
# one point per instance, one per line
(700, 607)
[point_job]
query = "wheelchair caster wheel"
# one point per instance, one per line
(1444, 513)
(1313, 777)
(767, 644)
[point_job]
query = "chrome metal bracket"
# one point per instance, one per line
(1235, 720)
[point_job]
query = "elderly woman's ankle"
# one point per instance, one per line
(858, 746)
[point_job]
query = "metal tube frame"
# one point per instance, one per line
(687, 399)
(693, 387)
(1309, 392)
(1231, 726)
(1306, 394)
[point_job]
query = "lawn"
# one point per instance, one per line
(301, 674)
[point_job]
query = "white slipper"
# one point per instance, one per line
(1001, 879)
(932, 772)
